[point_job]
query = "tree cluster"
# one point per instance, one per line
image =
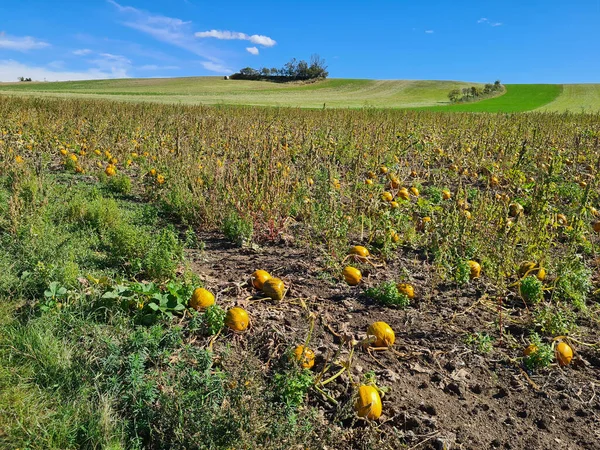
(291, 71)
(24, 79)
(474, 92)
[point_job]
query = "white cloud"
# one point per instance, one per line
(20, 44)
(487, 22)
(215, 67)
(429, 31)
(155, 67)
(252, 50)
(115, 65)
(172, 31)
(265, 41)
(10, 70)
(82, 52)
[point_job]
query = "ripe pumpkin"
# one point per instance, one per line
(361, 252)
(395, 237)
(201, 299)
(371, 174)
(352, 275)
(258, 278)
(383, 170)
(274, 288)
(530, 350)
(541, 274)
(475, 269)
(596, 226)
(515, 209)
(237, 319)
(525, 267)
(110, 170)
(368, 403)
(562, 219)
(387, 196)
(403, 194)
(446, 195)
(414, 191)
(369, 181)
(564, 354)
(406, 289)
(305, 356)
(394, 205)
(383, 333)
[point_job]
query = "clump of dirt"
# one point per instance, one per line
(442, 393)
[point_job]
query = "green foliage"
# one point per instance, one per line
(214, 319)
(555, 319)
(387, 294)
(462, 273)
(542, 357)
(238, 229)
(292, 385)
(574, 282)
(531, 289)
(481, 342)
(120, 184)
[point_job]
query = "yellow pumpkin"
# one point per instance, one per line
(368, 403)
(475, 269)
(352, 275)
(259, 277)
(406, 289)
(110, 170)
(383, 333)
(446, 195)
(394, 205)
(274, 288)
(541, 274)
(361, 252)
(530, 350)
(305, 356)
(237, 319)
(526, 267)
(369, 181)
(564, 354)
(383, 170)
(387, 196)
(395, 237)
(201, 299)
(515, 209)
(371, 174)
(403, 194)
(562, 219)
(414, 191)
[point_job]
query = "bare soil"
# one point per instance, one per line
(442, 393)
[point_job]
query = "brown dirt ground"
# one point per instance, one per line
(442, 394)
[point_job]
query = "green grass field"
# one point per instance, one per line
(333, 93)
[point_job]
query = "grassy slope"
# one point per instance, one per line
(576, 98)
(518, 98)
(215, 90)
(340, 93)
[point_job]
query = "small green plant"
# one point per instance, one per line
(387, 294)
(292, 385)
(480, 342)
(574, 282)
(237, 229)
(541, 354)
(531, 289)
(555, 320)
(462, 273)
(53, 296)
(214, 319)
(121, 184)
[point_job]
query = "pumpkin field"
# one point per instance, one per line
(239, 277)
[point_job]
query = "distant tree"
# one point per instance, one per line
(249, 72)
(317, 68)
(290, 68)
(454, 95)
(274, 71)
(265, 71)
(302, 70)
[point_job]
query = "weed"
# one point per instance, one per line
(237, 229)
(387, 294)
(481, 342)
(531, 289)
(541, 356)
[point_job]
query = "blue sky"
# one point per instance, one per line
(515, 41)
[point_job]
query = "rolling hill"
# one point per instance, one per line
(335, 93)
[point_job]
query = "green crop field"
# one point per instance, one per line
(332, 93)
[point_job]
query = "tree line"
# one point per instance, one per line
(474, 92)
(291, 71)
